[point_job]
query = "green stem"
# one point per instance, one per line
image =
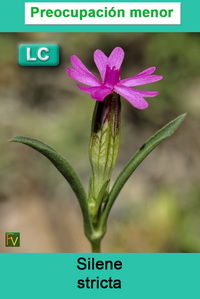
(96, 246)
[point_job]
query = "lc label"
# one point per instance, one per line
(38, 55)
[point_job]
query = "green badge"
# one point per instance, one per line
(38, 55)
(12, 239)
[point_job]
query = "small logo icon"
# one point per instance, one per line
(12, 239)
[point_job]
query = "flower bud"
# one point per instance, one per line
(104, 146)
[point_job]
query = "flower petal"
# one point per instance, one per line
(97, 92)
(84, 78)
(101, 61)
(116, 58)
(149, 94)
(140, 80)
(78, 65)
(132, 96)
(148, 71)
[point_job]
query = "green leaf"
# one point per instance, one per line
(103, 195)
(63, 167)
(94, 204)
(138, 157)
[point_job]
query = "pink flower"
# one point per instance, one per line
(110, 69)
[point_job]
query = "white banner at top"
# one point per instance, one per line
(102, 13)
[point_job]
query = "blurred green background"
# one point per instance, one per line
(159, 207)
